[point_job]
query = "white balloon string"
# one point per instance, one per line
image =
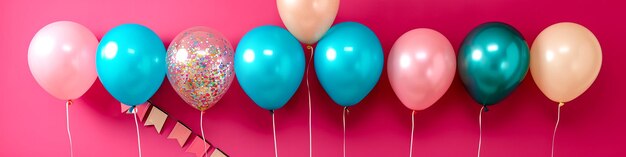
(202, 130)
(137, 127)
(67, 124)
(480, 126)
(274, 131)
(309, 92)
(412, 131)
(558, 117)
(344, 130)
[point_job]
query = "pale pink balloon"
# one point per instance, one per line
(421, 67)
(61, 57)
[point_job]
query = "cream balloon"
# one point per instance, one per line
(308, 20)
(565, 59)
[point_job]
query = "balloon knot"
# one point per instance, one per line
(485, 109)
(309, 47)
(271, 111)
(132, 109)
(69, 102)
(561, 104)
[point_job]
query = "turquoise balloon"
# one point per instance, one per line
(269, 66)
(492, 62)
(348, 62)
(130, 62)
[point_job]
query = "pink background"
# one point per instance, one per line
(32, 123)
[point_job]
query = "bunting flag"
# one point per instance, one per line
(141, 109)
(157, 118)
(125, 108)
(218, 153)
(197, 147)
(180, 133)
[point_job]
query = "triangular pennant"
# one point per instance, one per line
(142, 110)
(180, 133)
(197, 147)
(124, 108)
(218, 153)
(157, 118)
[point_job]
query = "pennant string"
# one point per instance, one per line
(274, 131)
(156, 110)
(67, 124)
(137, 127)
(412, 130)
(480, 127)
(558, 117)
(344, 130)
(202, 130)
(309, 93)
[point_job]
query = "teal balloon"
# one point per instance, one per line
(269, 66)
(130, 62)
(492, 62)
(348, 62)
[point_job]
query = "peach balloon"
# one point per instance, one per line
(421, 67)
(308, 20)
(565, 59)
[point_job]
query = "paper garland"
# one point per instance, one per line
(180, 132)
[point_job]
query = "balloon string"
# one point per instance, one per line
(480, 126)
(274, 131)
(202, 130)
(558, 117)
(412, 131)
(309, 92)
(137, 127)
(344, 130)
(67, 122)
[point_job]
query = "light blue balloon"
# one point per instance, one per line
(348, 62)
(130, 62)
(269, 65)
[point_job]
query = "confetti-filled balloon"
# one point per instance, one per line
(200, 66)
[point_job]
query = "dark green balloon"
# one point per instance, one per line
(493, 61)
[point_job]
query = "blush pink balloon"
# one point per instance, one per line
(61, 57)
(421, 67)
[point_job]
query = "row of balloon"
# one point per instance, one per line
(200, 63)
(493, 59)
(65, 58)
(270, 62)
(130, 61)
